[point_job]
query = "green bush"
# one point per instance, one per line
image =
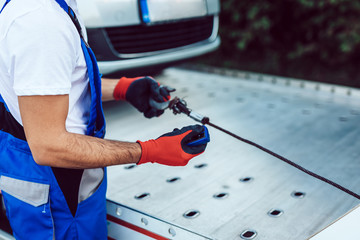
(315, 40)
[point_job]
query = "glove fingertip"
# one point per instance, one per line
(159, 113)
(197, 128)
(150, 113)
(170, 89)
(199, 148)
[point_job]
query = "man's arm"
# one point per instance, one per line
(108, 85)
(44, 123)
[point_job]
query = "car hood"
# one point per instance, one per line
(111, 13)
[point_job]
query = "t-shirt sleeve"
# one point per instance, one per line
(43, 56)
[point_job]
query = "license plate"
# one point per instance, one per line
(165, 10)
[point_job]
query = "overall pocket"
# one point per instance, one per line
(27, 208)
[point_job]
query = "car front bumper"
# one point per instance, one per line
(107, 67)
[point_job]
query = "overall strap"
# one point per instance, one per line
(72, 16)
(7, 1)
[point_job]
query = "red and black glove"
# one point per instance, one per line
(171, 148)
(138, 91)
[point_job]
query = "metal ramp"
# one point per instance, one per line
(235, 191)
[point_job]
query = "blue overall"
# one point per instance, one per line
(35, 204)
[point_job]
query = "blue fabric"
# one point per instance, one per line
(7, 1)
(16, 162)
(29, 222)
(96, 125)
(63, 5)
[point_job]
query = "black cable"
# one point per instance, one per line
(287, 161)
(179, 106)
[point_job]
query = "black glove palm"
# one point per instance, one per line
(138, 91)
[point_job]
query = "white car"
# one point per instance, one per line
(129, 34)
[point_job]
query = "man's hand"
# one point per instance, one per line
(171, 148)
(138, 91)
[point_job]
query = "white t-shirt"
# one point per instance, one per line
(40, 54)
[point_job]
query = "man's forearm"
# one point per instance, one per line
(108, 85)
(71, 150)
(52, 145)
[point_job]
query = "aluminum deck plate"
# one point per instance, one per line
(314, 125)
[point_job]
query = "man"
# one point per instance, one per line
(52, 153)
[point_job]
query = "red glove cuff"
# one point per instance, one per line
(165, 150)
(144, 151)
(122, 87)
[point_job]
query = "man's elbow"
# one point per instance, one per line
(42, 155)
(45, 152)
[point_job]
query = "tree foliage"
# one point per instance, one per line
(292, 37)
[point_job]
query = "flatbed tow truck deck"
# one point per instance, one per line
(233, 190)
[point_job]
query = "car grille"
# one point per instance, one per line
(150, 38)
